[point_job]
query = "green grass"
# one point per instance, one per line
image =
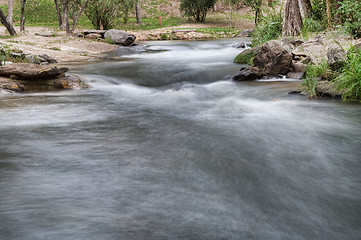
(149, 23)
(313, 74)
(268, 29)
(349, 81)
(220, 31)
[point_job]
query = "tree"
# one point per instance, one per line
(256, 6)
(58, 12)
(76, 19)
(231, 9)
(328, 10)
(62, 9)
(125, 7)
(197, 9)
(103, 13)
(306, 7)
(137, 13)
(292, 24)
(22, 18)
(10, 11)
(7, 24)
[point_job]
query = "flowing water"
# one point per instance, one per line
(163, 146)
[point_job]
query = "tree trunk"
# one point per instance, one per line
(7, 24)
(338, 17)
(22, 19)
(58, 13)
(65, 19)
(64, 13)
(306, 7)
(10, 11)
(139, 17)
(328, 10)
(230, 13)
(292, 24)
(75, 22)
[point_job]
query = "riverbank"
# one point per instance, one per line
(320, 61)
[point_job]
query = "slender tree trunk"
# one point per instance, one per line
(328, 9)
(292, 24)
(64, 13)
(139, 17)
(66, 17)
(7, 24)
(22, 19)
(338, 17)
(75, 22)
(10, 11)
(230, 13)
(58, 13)
(306, 7)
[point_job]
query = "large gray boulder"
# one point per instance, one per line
(336, 57)
(273, 59)
(119, 37)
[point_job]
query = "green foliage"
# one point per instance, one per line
(220, 31)
(319, 13)
(38, 12)
(349, 81)
(150, 23)
(351, 13)
(197, 9)
(311, 25)
(313, 74)
(246, 57)
(125, 8)
(269, 28)
(256, 6)
(103, 13)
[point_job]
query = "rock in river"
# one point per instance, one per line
(119, 37)
(273, 59)
(28, 71)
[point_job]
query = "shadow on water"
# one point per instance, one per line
(164, 147)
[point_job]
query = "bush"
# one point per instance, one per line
(197, 9)
(349, 81)
(312, 25)
(351, 14)
(313, 74)
(269, 28)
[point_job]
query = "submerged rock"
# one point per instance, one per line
(119, 37)
(248, 74)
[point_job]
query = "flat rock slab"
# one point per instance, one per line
(29, 71)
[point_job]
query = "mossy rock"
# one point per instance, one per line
(247, 56)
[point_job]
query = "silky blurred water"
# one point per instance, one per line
(163, 146)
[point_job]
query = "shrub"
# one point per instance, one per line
(312, 25)
(269, 28)
(351, 14)
(313, 74)
(197, 9)
(349, 81)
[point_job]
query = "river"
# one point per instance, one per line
(164, 146)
